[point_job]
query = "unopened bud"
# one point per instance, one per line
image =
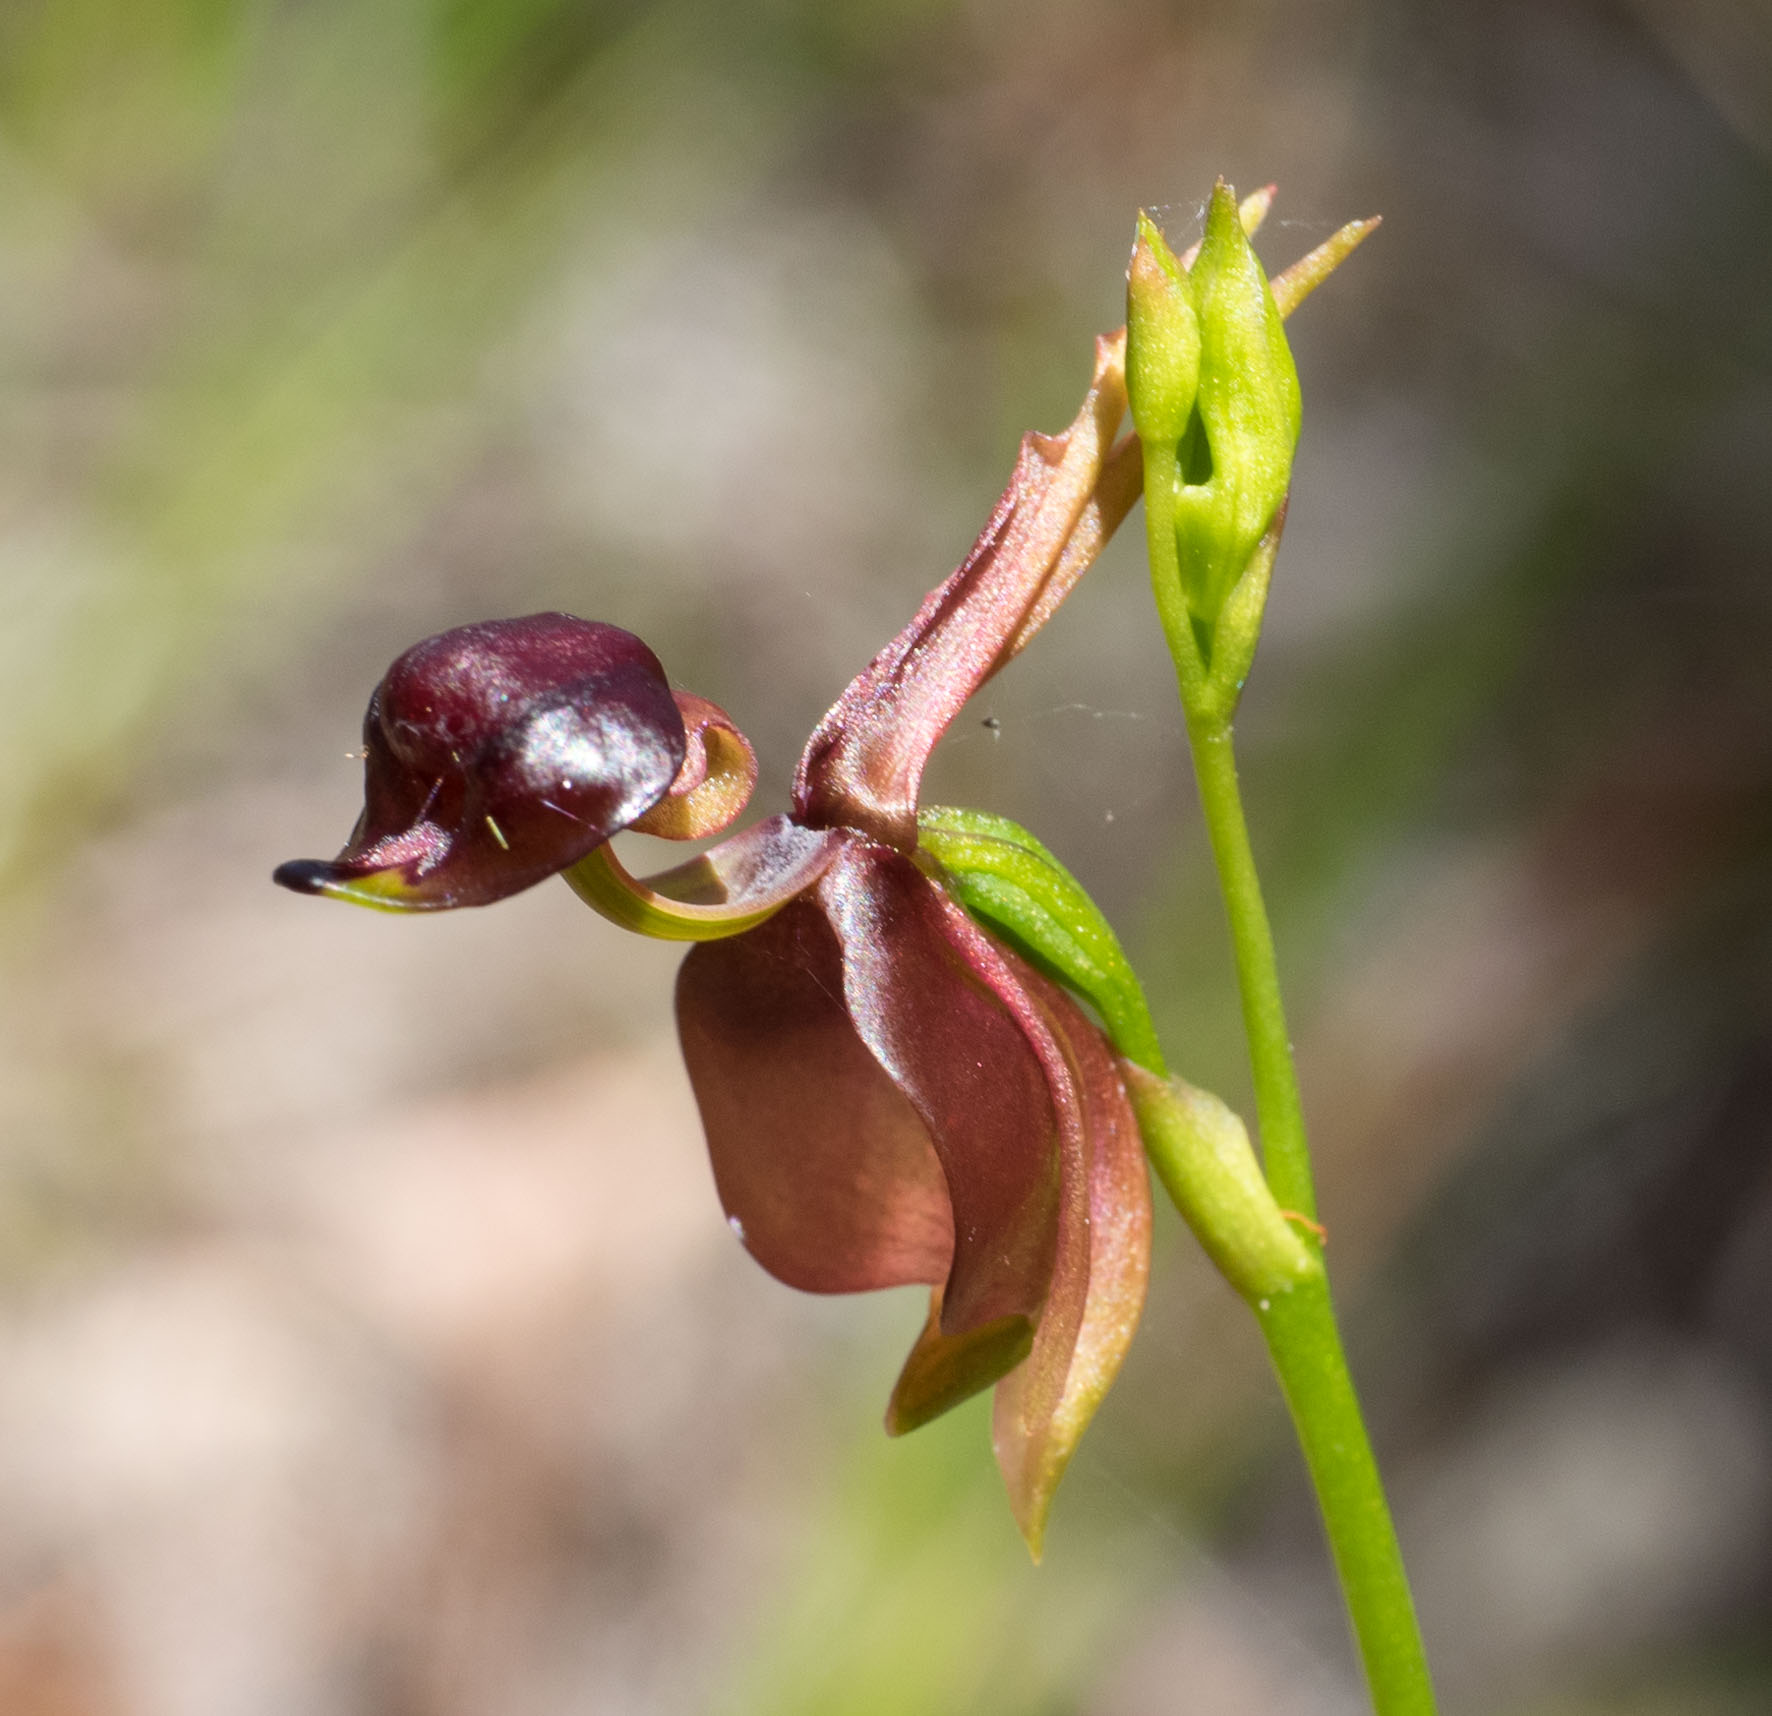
(1236, 459)
(1162, 340)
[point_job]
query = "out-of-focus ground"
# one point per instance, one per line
(370, 1341)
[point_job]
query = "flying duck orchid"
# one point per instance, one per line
(892, 1093)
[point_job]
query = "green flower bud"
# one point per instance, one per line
(1235, 459)
(1162, 340)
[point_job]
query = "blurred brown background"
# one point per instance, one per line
(371, 1341)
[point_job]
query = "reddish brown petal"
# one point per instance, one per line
(1116, 489)
(1098, 1279)
(937, 1002)
(862, 766)
(824, 1169)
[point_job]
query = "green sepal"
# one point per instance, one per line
(1235, 460)
(1002, 875)
(1162, 340)
(1238, 631)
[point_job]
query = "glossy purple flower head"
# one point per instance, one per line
(496, 755)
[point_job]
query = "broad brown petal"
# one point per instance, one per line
(863, 764)
(935, 1000)
(1098, 1277)
(823, 1167)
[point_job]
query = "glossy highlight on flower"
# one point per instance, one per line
(497, 754)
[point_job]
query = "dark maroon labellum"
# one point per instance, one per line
(498, 754)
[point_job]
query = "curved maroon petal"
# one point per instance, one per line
(823, 1167)
(500, 753)
(1098, 1276)
(864, 763)
(935, 1000)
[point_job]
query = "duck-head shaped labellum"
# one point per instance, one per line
(497, 755)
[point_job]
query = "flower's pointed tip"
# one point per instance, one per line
(301, 876)
(380, 890)
(1030, 1502)
(1222, 207)
(1224, 215)
(944, 1370)
(1153, 262)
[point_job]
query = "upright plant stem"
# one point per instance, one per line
(1299, 1325)
(1278, 1109)
(1306, 1350)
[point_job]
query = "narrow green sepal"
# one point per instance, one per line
(1002, 875)
(1162, 340)
(1236, 457)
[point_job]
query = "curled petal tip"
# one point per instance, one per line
(944, 1370)
(715, 783)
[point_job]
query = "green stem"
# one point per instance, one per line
(1306, 1349)
(1279, 1111)
(1298, 1323)
(1299, 1326)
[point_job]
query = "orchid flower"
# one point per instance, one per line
(891, 1096)
(891, 1093)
